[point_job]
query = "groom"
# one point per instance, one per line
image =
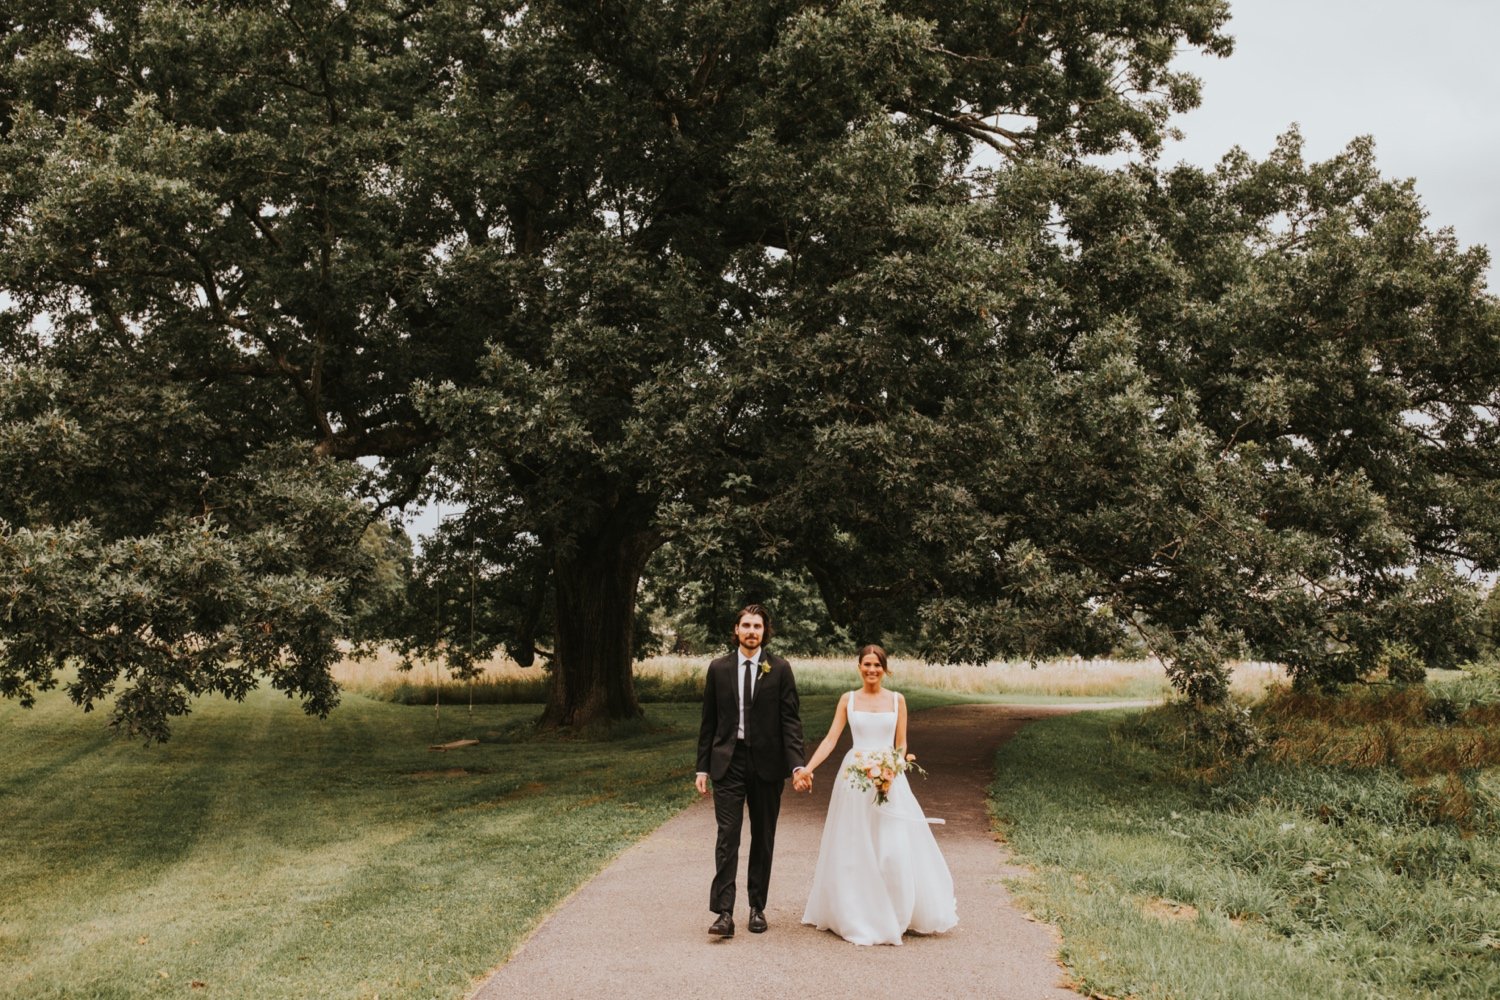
(750, 740)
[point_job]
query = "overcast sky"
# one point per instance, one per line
(1423, 78)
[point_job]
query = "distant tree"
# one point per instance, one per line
(382, 594)
(1489, 624)
(693, 606)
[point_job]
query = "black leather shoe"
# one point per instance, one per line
(724, 926)
(757, 922)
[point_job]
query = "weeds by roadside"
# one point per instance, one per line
(1413, 730)
(1356, 854)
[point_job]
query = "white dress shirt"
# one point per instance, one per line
(739, 687)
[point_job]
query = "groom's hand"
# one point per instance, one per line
(701, 783)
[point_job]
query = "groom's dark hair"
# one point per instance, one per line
(765, 616)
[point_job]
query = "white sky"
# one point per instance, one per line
(1423, 78)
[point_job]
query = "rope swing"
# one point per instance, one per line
(437, 684)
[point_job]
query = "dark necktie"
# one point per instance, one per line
(745, 704)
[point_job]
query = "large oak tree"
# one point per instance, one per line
(605, 275)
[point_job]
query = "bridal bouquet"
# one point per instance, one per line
(878, 768)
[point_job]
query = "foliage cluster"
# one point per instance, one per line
(1272, 876)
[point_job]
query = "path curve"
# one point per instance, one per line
(638, 930)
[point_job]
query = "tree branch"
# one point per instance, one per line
(976, 129)
(384, 442)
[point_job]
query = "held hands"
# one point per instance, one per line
(802, 781)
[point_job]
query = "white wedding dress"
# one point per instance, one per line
(880, 873)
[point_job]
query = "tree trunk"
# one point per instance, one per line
(592, 681)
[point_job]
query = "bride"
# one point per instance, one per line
(880, 873)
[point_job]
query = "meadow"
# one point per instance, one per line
(261, 853)
(680, 678)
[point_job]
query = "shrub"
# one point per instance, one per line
(1401, 663)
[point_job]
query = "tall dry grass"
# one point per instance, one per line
(680, 678)
(1413, 729)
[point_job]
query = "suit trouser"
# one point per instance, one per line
(738, 789)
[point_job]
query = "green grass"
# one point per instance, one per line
(1277, 881)
(265, 854)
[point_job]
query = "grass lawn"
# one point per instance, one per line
(1274, 882)
(264, 854)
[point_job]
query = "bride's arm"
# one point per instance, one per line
(900, 724)
(835, 729)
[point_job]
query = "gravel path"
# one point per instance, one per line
(638, 930)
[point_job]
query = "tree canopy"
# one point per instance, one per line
(724, 275)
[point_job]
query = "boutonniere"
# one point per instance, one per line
(765, 667)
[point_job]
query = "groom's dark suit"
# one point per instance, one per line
(751, 772)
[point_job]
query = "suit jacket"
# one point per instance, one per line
(773, 728)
